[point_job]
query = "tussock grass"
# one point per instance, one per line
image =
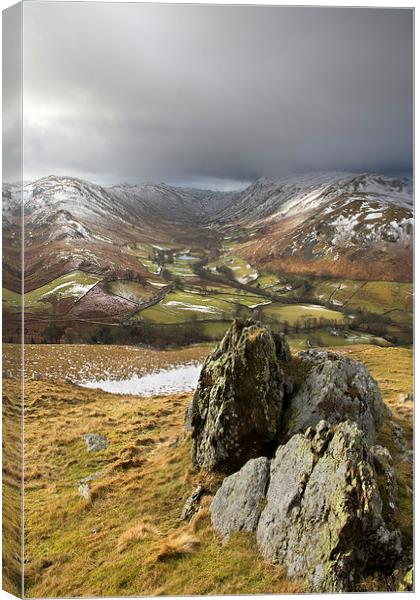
(135, 533)
(177, 544)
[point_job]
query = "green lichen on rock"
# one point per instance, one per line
(323, 519)
(236, 409)
(407, 582)
(335, 388)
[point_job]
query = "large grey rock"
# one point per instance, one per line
(238, 503)
(336, 388)
(237, 405)
(323, 515)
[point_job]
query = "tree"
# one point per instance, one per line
(166, 274)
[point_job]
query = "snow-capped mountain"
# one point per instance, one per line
(70, 223)
(356, 225)
(359, 224)
(292, 195)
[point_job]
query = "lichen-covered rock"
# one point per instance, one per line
(238, 503)
(323, 515)
(95, 442)
(407, 581)
(382, 461)
(188, 417)
(193, 502)
(335, 388)
(237, 405)
(400, 442)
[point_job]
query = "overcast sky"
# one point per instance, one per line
(214, 96)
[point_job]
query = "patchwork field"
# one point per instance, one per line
(236, 266)
(126, 537)
(206, 298)
(132, 290)
(180, 306)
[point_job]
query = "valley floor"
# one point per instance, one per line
(127, 537)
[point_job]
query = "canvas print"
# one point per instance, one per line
(207, 299)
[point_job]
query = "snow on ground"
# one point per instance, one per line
(194, 307)
(182, 378)
(70, 288)
(374, 215)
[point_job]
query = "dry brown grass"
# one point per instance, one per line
(177, 544)
(134, 534)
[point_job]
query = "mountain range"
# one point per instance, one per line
(344, 224)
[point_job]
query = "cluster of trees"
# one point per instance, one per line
(162, 257)
(127, 274)
(382, 325)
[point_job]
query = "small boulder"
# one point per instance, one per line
(84, 484)
(239, 501)
(192, 503)
(335, 388)
(96, 442)
(323, 515)
(237, 405)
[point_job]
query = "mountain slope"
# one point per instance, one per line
(345, 224)
(72, 224)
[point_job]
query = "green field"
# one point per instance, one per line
(132, 290)
(373, 296)
(320, 338)
(240, 269)
(182, 265)
(11, 300)
(72, 285)
(180, 306)
(298, 314)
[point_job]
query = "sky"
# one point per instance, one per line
(213, 96)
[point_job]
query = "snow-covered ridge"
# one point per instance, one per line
(275, 199)
(365, 204)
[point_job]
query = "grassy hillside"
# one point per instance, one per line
(127, 539)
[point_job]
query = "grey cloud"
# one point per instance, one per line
(136, 92)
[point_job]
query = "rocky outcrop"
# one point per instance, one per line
(238, 503)
(317, 510)
(338, 389)
(401, 443)
(323, 515)
(237, 405)
(323, 507)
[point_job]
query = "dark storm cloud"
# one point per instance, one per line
(190, 94)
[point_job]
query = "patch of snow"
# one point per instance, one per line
(193, 307)
(182, 378)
